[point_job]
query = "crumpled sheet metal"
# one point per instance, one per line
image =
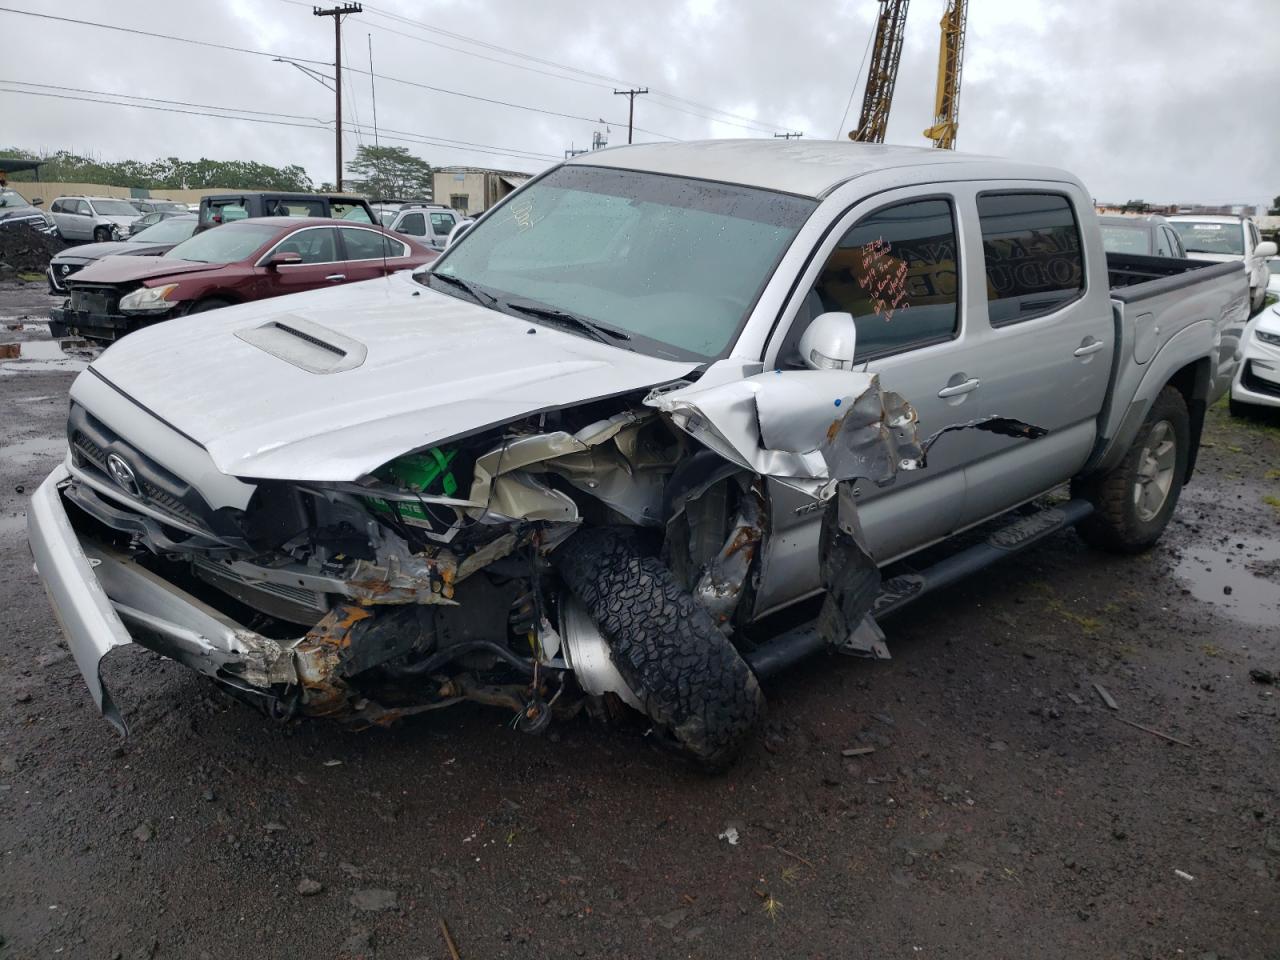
(719, 589)
(824, 425)
(505, 485)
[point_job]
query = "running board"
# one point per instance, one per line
(804, 640)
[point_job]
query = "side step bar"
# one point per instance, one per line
(802, 641)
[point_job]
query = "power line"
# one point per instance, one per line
(752, 125)
(562, 66)
(856, 77)
(320, 125)
(412, 83)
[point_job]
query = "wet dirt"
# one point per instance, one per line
(1239, 576)
(989, 806)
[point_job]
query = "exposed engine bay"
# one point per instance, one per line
(439, 577)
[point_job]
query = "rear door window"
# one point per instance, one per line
(414, 224)
(1162, 243)
(897, 272)
(314, 245)
(1033, 254)
(442, 223)
(369, 245)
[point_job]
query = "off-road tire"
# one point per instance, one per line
(694, 685)
(1116, 524)
(101, 234)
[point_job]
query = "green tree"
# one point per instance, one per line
(168, 173)
(390, 172)
(1275, 208)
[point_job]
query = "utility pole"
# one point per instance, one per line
(631, 111)
(788, 136)
(338, 13)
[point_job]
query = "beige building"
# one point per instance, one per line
(473, 190)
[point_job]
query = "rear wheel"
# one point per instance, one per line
(1134, 501)
(694, 685)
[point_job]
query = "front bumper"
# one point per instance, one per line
(1257, 379)
(104, 600)
(95, 326)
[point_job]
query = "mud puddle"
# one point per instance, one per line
(1240, 577)
(38, 355)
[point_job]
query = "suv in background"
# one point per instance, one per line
(429, 223)
(1148, 236)
(15, 210)
(93, 218)
(225, 207)
(1224, 238)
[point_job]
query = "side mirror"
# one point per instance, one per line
(285, 258)
(1265, 249)
(829, 342)
(37, 201)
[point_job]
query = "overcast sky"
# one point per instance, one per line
(1157, 99)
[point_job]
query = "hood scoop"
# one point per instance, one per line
(305, 344)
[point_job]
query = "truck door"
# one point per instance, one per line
(1043, 340)
(895, 263)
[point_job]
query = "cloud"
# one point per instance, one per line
(1161, 100)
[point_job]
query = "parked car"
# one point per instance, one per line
(430, 224)
(151, 219)
(93, 218)
(1257, 381)
(1150, 236)
(1273, 277)
(386, 208)
(240, 261)
(224, 208)
(151, 242)
(672, 390)
(16, 211)
(159, 206)
(1224, 238)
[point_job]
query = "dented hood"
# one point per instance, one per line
(398, 367)
(119, 268)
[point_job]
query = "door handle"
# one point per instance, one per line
(1089, 348)
(973, 383)
(336, 277)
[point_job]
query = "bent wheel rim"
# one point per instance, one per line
(1156, 465)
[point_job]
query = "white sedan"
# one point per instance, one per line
(1257, 379)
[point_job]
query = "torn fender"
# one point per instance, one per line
(816, 425)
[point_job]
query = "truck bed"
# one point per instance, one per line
(1135, 277)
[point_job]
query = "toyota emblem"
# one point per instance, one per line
(122, 473)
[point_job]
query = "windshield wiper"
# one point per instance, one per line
(479, 296)
(595, 330)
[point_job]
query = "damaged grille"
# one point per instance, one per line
(100, 300)
(295, 604)
(93, 443)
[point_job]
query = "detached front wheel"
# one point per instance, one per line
(1134, 501)
(694, 685)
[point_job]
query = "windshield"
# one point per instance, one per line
(1274, 266)
(676, 264)
(168, 205)
(114, 208)
(1117, 238)
(173, 230)
(229, 243)
(1199, 236)
(12, 198)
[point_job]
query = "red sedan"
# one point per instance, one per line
(237, 262)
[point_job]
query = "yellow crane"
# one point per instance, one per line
(946, 108)
(883, 73)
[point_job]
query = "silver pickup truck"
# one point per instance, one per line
(656, 395)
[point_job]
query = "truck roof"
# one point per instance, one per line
(809, 168)
(1209, 217)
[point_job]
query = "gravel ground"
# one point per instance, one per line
(994, 808)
